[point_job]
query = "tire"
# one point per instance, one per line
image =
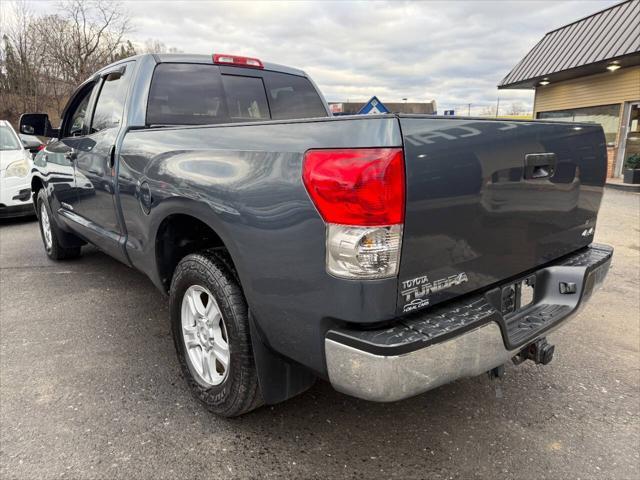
(207, 326)
(50, 233)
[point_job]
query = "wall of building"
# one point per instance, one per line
(606, 88)
(603, 89)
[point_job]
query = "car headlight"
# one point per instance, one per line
(18, 168)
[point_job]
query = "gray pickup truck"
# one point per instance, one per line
(387, 254)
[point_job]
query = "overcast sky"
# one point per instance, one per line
(454, 52)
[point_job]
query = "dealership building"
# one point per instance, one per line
(352, 108)
(589, 71)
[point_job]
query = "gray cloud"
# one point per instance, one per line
(454, 52)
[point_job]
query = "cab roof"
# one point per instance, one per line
(208, 59)
(204, 59)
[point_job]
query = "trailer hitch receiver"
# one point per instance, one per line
(539, 351)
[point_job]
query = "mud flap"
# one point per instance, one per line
(279, 377)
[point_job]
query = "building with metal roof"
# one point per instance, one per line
(352, 108)
(589, 70)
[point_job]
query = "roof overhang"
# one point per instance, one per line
(577, 72)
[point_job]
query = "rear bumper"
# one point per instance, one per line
(461, 339)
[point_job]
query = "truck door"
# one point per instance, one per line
(57, 160)
(94, 158)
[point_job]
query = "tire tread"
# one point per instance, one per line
(212, 267)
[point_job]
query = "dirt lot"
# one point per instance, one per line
(90, 388)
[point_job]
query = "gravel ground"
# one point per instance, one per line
(90, 388)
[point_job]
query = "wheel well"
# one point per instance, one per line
(36, 186)
(178, 236)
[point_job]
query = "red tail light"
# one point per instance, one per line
(363, 187)
(223, 59)
(41, 147)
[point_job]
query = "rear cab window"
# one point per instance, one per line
(291, 96)
(246, 99)
(200, 94)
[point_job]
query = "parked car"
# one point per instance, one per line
(387, 254)
(15, 174)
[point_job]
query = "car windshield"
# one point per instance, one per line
(8, 139)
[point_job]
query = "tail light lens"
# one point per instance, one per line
(356, 186)
(360, 195)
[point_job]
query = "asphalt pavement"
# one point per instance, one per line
(90, 388)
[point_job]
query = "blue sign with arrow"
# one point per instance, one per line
(373, 107)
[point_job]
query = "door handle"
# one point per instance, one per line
(539, 165)
(111, 161)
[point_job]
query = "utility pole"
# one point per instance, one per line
(497, 105)
(469, 110)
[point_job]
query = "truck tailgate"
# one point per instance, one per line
(488, 200)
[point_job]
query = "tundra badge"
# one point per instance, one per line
(416, 290)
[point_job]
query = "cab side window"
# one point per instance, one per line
(110, 105)
(78, 123)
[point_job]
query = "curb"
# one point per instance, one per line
(626, 187)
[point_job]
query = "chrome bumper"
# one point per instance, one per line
(389, 378)
(370, 374)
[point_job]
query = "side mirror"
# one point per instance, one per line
(37, 124)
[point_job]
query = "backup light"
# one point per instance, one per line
(363, 252)
(224, 59)
(360, 194)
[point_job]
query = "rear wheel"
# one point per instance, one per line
(50, 234)
(211, 333)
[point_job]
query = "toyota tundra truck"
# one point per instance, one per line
(388, 254)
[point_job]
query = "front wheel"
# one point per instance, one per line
(50, 234)
(210, 328)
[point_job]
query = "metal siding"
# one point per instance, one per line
(616, 35)
(604, 37)
(584, 49)
(532, 67)
(602, 26)
(632, 43)
(583, 28)
(608, 34)
(568, 44)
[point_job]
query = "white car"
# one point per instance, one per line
(15, 174)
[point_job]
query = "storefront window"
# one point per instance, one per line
(606, 115)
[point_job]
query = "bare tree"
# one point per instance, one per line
(488, 111)
(43, 58)
(21, 55)
(156, 46)
(516, 108)
(84, 36)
